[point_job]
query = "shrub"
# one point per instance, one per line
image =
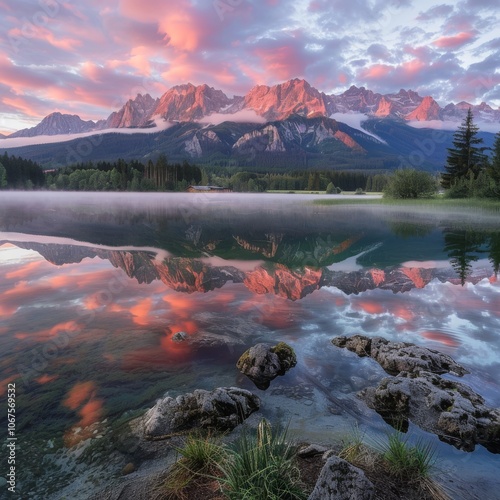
(331, 189)
(408, 183)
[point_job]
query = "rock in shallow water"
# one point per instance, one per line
(262, 363)
(339, 480)
(396, 357)
(449, 409)
(221, 409)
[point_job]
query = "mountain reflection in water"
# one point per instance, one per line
(92, 293)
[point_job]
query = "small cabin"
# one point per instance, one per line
(208, 189)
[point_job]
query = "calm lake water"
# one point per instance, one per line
(93, 286)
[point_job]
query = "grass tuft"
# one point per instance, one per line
(262, 466)
(352, 446)
(407, 462)
(200, 459)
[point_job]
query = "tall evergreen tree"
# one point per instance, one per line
(466, 156)
(494, 165)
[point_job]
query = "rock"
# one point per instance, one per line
(339, 480)
(221, 409)
(179, 337)
(312, 450)
(128, 469)
(263, 363)
(449, 409)
(396, 357)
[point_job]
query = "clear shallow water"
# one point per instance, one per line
(93, 287)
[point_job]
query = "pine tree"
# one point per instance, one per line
(465, 157)
(494, 165)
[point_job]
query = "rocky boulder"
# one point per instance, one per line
(221, 409)
(449, 409)
(396, 357)
(263, 363)
(339, 480)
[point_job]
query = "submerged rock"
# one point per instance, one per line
(396, 357)
(221, 409)
(263, 363)
(449, 409)
(340, 480)
(179, 337)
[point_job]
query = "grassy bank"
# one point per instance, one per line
(265, 464)
(438, 202)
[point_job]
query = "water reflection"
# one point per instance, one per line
(90, 303)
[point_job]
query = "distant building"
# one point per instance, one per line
(208, 189)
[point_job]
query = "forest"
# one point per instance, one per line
(160, 175)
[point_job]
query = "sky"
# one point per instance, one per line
(88, 58)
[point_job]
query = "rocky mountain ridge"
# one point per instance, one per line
(55, 124)
(187, 103)
(189, 275)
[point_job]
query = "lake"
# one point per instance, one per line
(94, 286)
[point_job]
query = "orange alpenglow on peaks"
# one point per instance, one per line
(427, 110)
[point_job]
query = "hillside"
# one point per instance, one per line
(295, 143)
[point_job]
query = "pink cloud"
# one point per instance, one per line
(48, 35)
(376, 71)
(282, 62)
(21, 105)
(19, 77)
(183, 26)
(454, 42)
(413, 66)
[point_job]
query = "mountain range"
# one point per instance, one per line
(189, 275)
(190, 103)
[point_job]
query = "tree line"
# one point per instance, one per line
(18, 173)
(468, 172)
(161, 175)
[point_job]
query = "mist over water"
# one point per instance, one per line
(94, 286)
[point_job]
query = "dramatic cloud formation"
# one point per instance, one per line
(89, 57)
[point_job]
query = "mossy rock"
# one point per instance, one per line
(245, 361)
(286, 355)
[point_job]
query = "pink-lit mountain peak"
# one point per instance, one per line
(427, 110)
(135, 113)
(188, 102)
(280, 101)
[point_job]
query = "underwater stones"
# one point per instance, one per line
(449, 409)
(128, 469)
(263, 363)
(396, 357)
(340, 480)
(221, 409)
(179, 337)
